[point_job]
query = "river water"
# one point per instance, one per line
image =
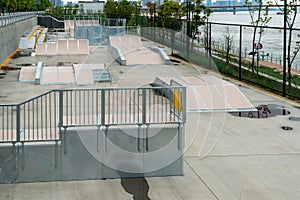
(272, 39)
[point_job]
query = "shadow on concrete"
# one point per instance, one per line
(138, 187)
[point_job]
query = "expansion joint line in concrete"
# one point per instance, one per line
(249, 155)
(199, 177)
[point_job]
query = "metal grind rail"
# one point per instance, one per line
(42, 118)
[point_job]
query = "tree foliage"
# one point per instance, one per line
(43, 4)
(170, 14)
(259, 18)
(121, 9)
(228, 42)
(292, 48)
(23, 5)
(199, 15)
(151, 8)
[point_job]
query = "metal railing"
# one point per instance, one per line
(42, 118)
(15, 17)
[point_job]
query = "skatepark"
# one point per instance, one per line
(213, 152)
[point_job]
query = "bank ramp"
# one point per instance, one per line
(207, 93)
(128, 50)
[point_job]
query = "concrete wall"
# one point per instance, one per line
(50, 22)
(91, 153)
(10, 36)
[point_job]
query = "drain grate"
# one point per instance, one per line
(287, 128)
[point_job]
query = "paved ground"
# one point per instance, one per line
(226, 157)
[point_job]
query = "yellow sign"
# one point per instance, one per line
(177, 98)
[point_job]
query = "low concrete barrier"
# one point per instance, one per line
(38, 73)
(162, 54)
(119, 151)
(117, 55)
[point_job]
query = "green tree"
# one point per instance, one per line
(11, 5)
(121, 9)
(2, 6)
(21, 5)
(125, 10)
(43, 4)
(259, 17)
(150, 12)
(199, 15)
(170, 14)
(110, 9)
(150, 6)
(228, 40)
(292, 48)
(31, 5)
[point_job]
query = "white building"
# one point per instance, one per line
(91, 7)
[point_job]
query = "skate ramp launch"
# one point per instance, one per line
(128, 50)
(207, 93)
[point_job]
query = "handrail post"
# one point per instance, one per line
(102, 107)
(18, 123)
(61, 114)
(183, 104)
(144, 106)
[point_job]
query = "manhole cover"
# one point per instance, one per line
(287, 128)
(295, 119)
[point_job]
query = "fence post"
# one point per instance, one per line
(18, 123)
(144, 106)
(61, 114)
(240, 54)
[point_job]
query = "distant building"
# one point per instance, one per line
(208, 3)
(57, 2)
(242, 2)
(226, 3)
(91, 6)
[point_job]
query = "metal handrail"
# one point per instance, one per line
(15, 17)
(43, 117)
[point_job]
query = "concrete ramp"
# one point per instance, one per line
(208, 93)
(27, 74)
(63, 47)
(79, 74)
(90, 73)
(128, 50)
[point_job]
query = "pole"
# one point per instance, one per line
(188, 30)
(240, 53)
(284, 49)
